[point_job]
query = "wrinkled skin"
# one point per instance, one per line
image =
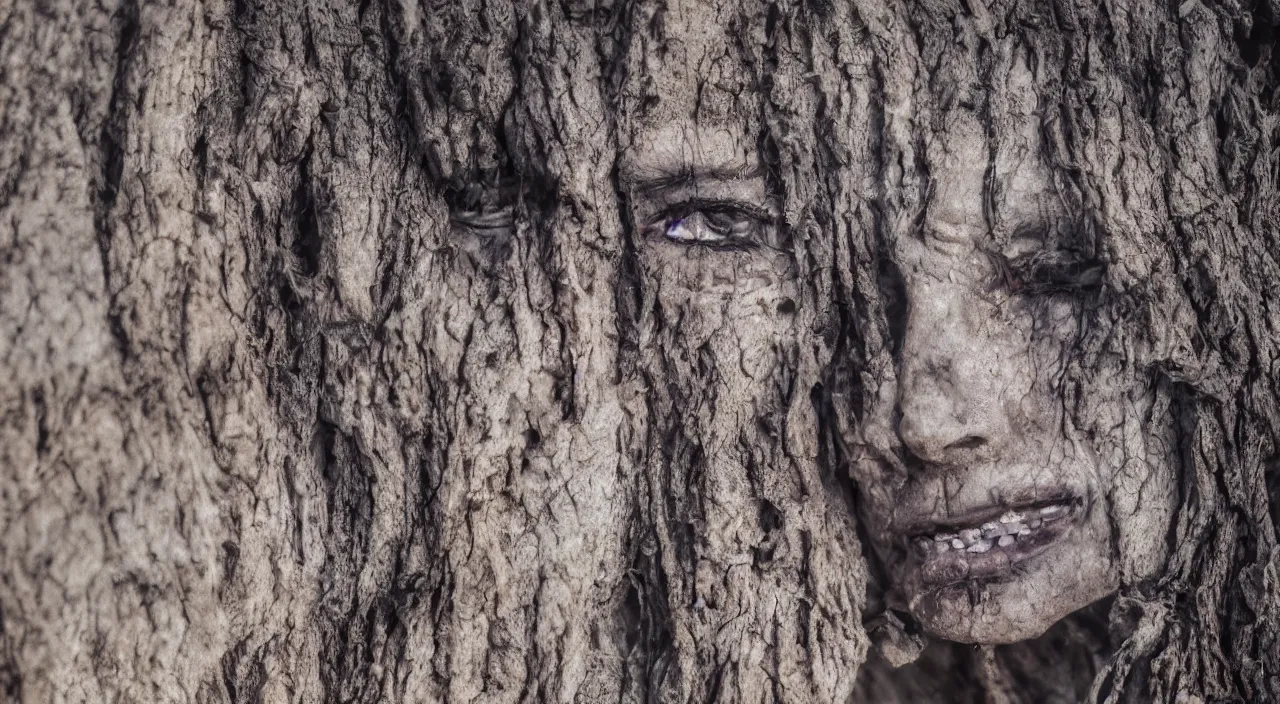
(989, 291)
(717, 317)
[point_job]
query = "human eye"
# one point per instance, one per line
(485, 211)
(484, 221)
(1052, 257)
(1055, 272)
(715, 225)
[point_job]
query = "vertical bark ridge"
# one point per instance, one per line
(343, 371)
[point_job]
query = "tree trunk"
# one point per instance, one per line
(335, 373)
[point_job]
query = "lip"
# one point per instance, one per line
(954, 520)
(940, 569)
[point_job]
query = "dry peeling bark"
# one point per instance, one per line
(337, 370)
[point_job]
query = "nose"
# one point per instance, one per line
(951, 377)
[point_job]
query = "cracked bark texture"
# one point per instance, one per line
(281, 423)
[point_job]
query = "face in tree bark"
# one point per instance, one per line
(754, 555)
(994, 505)
(499, 351)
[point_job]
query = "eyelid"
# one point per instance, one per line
(1061, 272)
(697, 186)
(484, 221)
(707, 178)
(715, 205)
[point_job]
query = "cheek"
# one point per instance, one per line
(876, 502)
(720, 340)
(733, 314)
(1043, 337)
(1131, 429)
(720, 336)
(1050, 331)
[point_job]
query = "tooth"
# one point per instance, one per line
(971, 535)
(1052, 510)
(980, 546)
(1005, 541)
(1035, 522)
(1024, 531)
(1058, 514)
(988, 527)
(922, 543)
(1010, 517)
(957, 543)
(942, 547)
(945, 537)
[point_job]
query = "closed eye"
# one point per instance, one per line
(484, 221)
(1047, 273)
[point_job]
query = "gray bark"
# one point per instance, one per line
(333, 372)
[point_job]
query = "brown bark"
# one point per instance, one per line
(336, 372)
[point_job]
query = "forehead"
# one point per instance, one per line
(683, 146)
(975, 136)
(985, 161)
(687, 64)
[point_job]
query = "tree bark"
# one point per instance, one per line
(334, 372)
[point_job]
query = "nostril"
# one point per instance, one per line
(969, 442)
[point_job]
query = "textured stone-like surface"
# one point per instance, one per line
(279, 423)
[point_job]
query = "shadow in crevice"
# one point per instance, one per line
(646, 626)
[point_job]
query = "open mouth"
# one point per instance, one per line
(993, 543)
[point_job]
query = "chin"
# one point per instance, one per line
(1010, 595)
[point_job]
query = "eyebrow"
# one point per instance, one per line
(643, 177)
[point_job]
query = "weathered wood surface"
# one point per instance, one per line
(281, 423)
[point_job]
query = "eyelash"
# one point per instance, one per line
(698, 218)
